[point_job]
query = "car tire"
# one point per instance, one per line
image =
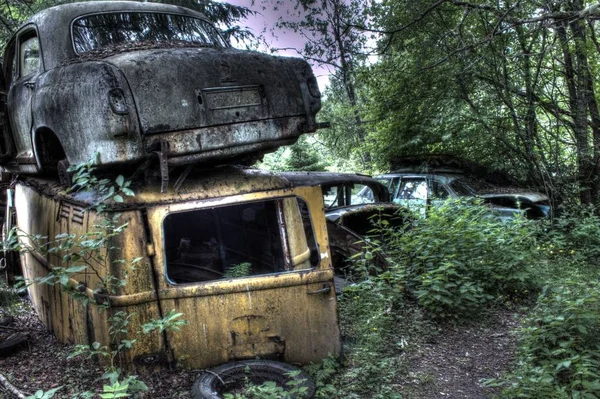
(212, 384)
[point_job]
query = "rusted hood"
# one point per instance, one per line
(184, 88)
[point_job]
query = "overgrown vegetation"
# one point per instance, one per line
(90, 252)
(456, 265)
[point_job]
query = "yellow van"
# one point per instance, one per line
(243, 254)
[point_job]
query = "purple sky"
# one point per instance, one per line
(262, 24)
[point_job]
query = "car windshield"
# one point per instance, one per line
(141, 29)
(347, 194)
(462, 188)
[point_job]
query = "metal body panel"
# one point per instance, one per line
(291, 315)
(209, 104)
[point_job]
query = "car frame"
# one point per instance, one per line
(74, 90)
(419, 190)
(350, 225)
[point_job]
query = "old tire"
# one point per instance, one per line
(231, 377)
(64, 176)
(12, 344)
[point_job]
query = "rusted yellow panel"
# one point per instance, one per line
(290, 315)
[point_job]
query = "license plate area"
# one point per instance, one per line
(223, 98)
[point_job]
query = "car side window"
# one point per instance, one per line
(413, 189)
(438, 191)
(29, 53)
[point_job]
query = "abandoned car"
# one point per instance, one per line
(419, 189)
(353, 205)
(242, 254)
(133, 80)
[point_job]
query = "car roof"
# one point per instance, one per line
(54, 23)
(327, 178)
(409, 174)
(70, 11)
(202, 184)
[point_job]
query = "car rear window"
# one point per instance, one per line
(141, 29)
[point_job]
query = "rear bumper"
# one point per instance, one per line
(227, 141)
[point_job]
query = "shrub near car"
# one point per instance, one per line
(128, 79)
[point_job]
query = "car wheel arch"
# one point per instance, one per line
(47, 148)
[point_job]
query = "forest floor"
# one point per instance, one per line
(459, 359)
(452, 365)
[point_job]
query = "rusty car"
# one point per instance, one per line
(418, 189)
(140, 80)
(190, 247)
(353, 205)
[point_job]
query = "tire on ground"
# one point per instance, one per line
(231, 376)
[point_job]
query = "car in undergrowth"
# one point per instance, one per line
(353, 204)
(417, 190)
(139, 80)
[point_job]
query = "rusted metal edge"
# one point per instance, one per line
(280, 280)
(53, 190)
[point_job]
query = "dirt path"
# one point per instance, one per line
(454, 365)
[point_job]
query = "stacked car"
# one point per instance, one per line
(144, 89)
(135, 81)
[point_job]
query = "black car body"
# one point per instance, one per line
(128, 79)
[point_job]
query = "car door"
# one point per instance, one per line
(24, 59)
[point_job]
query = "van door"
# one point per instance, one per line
(252, 276)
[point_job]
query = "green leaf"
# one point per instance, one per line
(563, 365)
(120, 180)
(118, 198)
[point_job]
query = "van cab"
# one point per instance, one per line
(243, 254)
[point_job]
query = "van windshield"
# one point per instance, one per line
(127, 30)
(240, 240)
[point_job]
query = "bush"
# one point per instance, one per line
(461, 257)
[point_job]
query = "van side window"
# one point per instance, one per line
(249, 239)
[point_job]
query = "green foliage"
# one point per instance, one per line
(305, 156)
(294, 389)
(44, 394)
(573, 239)
(461, 258)
(322, 375)
(8, 296)
(84, 179)
(169, 322)
(240, 270)
(559, 353)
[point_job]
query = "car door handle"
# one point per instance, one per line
(29, 85)
(326, 288)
